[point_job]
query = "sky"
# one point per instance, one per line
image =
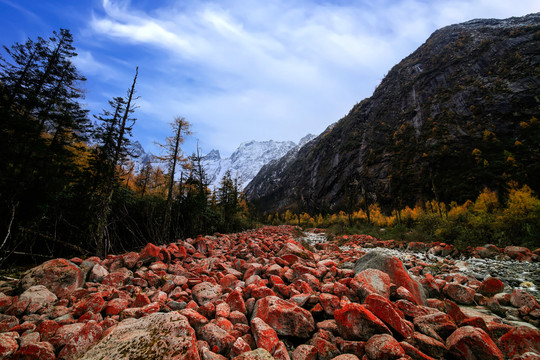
(240, 70)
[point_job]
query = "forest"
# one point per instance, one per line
(67, 185)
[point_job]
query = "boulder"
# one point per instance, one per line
(491, 286)
(520, 340)
(468, 342)
(438, 325)
(459, 293)
(80, 342)
(165, 336)
(385, 310)
(304, 352)
(286, 318)
(355, 322)
(36, 350)
(60, 276)
(264, 335)
(257, 354)
(8, 345)
(371, 281)
(206, 292)
(39, 297)
(384, 347)
(394, 268)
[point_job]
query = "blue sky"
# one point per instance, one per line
(240, 70)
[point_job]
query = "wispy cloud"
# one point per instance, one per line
(280, 69)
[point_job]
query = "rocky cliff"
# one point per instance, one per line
(458, 114)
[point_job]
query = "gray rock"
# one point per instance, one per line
(156, 336)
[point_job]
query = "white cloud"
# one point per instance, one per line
(279, 69)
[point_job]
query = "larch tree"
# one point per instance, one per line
(173, 158)
(112, 138)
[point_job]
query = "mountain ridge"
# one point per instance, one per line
(443, 123)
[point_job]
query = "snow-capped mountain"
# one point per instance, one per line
(138, 156)
(247, 160)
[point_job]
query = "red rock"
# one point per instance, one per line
(206, 354)
(395, 270)
(148, 309)
(454, 311)
(371, 281)
(264, 335)
(60, 276)
(383, 347)
(411, 310)
(141, 300)
(224, 323)
(5, 302)
(216, 336)
(355, 322)
(385, 310)
(330, 303)
(518, 252)
(281, 352)
(413, 352)
(18, 307)
(439, 325)
(64, 333)
(208, 310)
(472, 343)
(346, 357)
(257, 354)
(81, 341)
(8, 345)
(491, 286)
(39, 297)
(239, 347)
(520, 340)
(7, 322)
(459, 293)
(488, 251)
(195, 319)
(428, 345)
(351, 347)
(36, 350)
(304, 352)
(98, 273)
(116, 306)
(325, 349)
(206, 292)
(94, 304)
(521, 298)
(118, 278)
(47, 329)
(284, 317)
(149, 253)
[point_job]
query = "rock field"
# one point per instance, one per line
(272, 294)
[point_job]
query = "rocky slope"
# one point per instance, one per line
(247, 160)
(458, 114)
(262, 295)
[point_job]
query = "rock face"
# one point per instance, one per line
(156, 336)
(433, 121)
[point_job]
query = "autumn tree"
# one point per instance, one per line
(112, 137)
(173, 158)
